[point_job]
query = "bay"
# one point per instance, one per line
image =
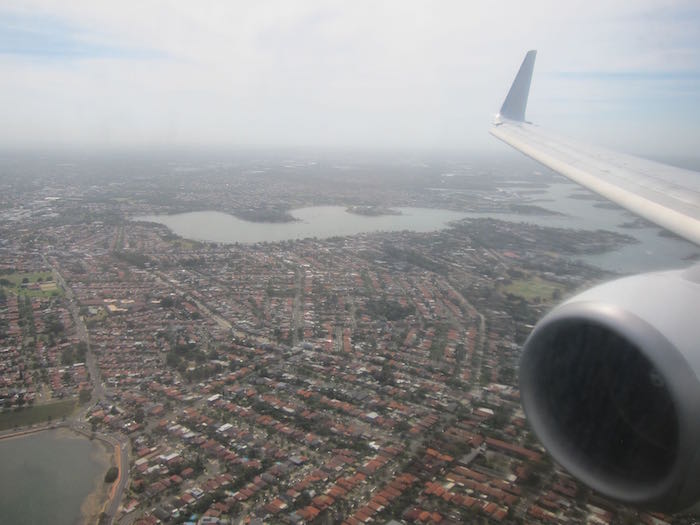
(577, 208)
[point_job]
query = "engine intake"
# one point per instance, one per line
(608, 382)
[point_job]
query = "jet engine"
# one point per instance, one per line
(609, 383)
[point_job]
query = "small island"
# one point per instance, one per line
(587, 196)
(607, 206)
(636, 223)
(264, 215)
(530, 209)
(371, 211)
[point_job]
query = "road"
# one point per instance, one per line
(164, 280)
(76, 422)
(98, 393)
(480, 345)
(297, 306)
(118, 491)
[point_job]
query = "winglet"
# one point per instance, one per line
(513, 107)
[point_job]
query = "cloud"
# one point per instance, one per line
(413, 74)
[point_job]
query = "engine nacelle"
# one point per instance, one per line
(610, 383)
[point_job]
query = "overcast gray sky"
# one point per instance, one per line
(396, 74)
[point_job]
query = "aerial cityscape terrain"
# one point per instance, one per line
(339, 263)
(365, 378)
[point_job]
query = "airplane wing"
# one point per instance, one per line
(610, 379)
(665, 195)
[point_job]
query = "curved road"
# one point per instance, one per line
(121, 452)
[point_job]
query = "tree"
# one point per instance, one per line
(501, 417)
(111, 474)
(402, 426)
(167, 302)
(81, 350)
(460, 353)
(84, 395)
(507, 375)
(172, 359)
(198, 464)
(386, 375)
(67, 357)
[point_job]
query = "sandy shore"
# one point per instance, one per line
(96, 501)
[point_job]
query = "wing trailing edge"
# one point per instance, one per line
(665, 195)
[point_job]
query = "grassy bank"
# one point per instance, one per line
(37, 414)
(535, 287)
(33, 284)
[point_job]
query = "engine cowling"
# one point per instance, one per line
(610, 384)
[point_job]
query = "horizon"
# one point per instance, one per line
(403, 76)
(74, 153)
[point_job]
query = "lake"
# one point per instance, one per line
(653, 252)
(46, 477)
(316, 221)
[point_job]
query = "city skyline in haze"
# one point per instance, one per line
(392, 75)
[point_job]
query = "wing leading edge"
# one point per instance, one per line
(665, 195)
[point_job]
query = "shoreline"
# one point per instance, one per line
(97, 500)
(29, 431)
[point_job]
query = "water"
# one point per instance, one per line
(652, 252)
(316, 221)
(45, 477)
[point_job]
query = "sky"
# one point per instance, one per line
(403, 74)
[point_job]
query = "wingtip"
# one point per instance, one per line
(514, 106)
